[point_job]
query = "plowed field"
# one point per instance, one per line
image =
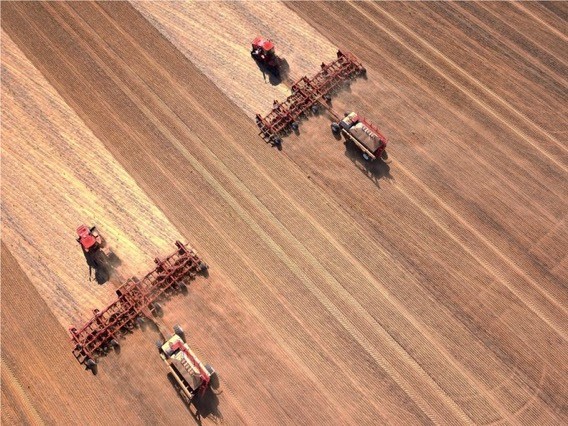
(431, 289)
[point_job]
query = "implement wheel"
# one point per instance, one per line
(156, 309)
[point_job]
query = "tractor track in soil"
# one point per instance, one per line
(327, 311)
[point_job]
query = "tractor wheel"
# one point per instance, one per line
(159, 344)
(335, 128)
(366, 157)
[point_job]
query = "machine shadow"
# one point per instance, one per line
(275, 76)
(373, 170)
(202, 407)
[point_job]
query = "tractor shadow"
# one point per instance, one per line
(272, 76)
(375, 171)
(201, 407)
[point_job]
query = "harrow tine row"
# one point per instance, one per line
(134, 299)
(306, 93)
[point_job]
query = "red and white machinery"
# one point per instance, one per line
(189, 376)
(310, 95)
(263, 52)
(362, 133)
(307, 96)
(136, 300)
(98, 256)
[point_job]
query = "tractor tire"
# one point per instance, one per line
(335, 128)
(366, 157)
(159, 344)
(91, 364)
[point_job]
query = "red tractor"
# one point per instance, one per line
(263, 51)
(98, 258)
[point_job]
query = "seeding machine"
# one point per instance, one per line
(310, 95)
(136, 301)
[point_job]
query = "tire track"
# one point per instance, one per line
(552, 29)
(538, 62)
(467, 92)
(27, 405)
(559, 329)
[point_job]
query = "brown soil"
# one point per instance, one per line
(431, 289)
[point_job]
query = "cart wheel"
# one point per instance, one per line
(277, 141)
(91, 364)
(156, 309)
(179, 332)
(182, 287)
(335, 128)
(315, 109)
(214, 381)
(295, 125)
(141, 322)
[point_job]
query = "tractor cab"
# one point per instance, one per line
(86, 238)
(263, 51)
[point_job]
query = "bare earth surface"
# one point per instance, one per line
(428, 290)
